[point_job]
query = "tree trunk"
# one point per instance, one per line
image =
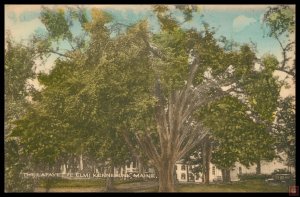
(258, 167)
(140, 165)
(223, 175)
(206, 159)
(166, 179)
(175, 177)
(187, 173)
(110, 179)
(175, 128)
(226, 175)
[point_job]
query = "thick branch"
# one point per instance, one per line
(285, 58)
(149, 148)
(153, 49)
(129, 143)
(60, 54)
(196, 135)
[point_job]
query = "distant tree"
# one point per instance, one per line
(285, 129)
(280, 21)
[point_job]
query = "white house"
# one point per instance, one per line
(184, 172)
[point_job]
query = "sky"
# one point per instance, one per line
(241, 23)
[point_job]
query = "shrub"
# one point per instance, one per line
(281, 171)
(252, 176)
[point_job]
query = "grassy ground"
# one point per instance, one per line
(94, 185)
(245, 186)
(123, 186)
(60, 183)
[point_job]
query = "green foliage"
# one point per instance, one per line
(212, 56)
(99, 18)
(280, 20)
(264, 91)
(40, 142)
(19, 62)
(174, 71)
(164, 15)
(245, 61)
(103, 89)
(236, 136)
(270, 62)
(244, 177)
(285, 130)
(166, 18)
(188, 11)
(56, 23)
(281, 171)
(14, 166)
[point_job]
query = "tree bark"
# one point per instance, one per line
(208, 159)
(187, 173)
(204, 161)
(110, 179)
(166, 179)
(140, 165)
(258, 167)
(177, 130)
(226, 175)
(206, 151)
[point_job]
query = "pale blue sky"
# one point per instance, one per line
(241, 23)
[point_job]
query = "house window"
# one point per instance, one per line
(240, 170)
(128, 165)
(182, 167)
(213, 170)
(183, 176)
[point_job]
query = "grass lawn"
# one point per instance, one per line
(257, 185)
(244, 186)
(92, 185)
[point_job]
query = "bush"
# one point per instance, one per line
(133, 180)
(281, 171)
(252, 176)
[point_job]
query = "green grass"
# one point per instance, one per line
(244, 186)
(60, 183)
(256, 185)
